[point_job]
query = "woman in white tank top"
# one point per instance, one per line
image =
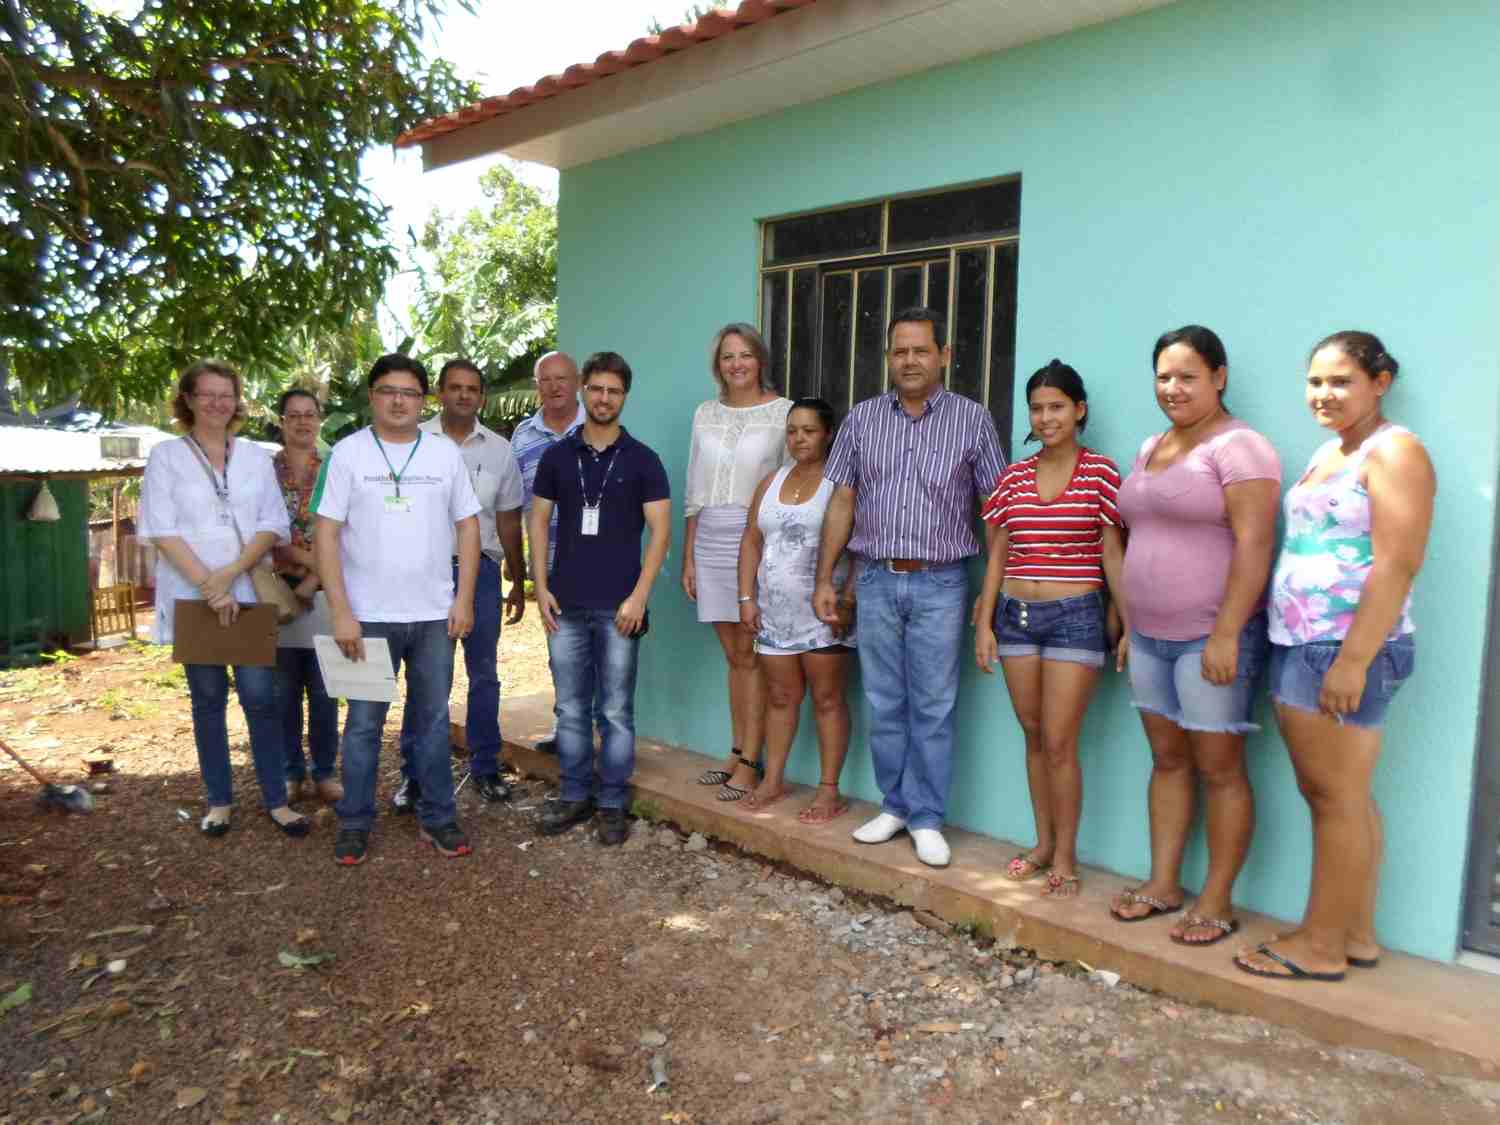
(777, 571)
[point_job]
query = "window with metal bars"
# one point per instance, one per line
(831, 280)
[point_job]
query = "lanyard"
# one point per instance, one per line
(610, 468)
(395, 476)
(221, 487)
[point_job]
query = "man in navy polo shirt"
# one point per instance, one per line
(607, 488)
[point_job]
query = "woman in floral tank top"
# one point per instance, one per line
(297, 671)
(1340, 623)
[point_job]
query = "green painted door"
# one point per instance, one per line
(44, 572)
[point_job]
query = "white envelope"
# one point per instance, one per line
(370, 679)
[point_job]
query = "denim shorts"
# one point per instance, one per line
(1297, 673)
(1166, 678)
(1068, 629)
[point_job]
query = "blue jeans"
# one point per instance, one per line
(1067, 630)
(1166, 679)
(208, 689)
(587, 654)
(424, 647)
(910, 626)
(1297, 673)
(297, 673)
(482, 723)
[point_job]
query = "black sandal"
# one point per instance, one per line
(296, 828)
(734, 792)
(720, 776)
(216, 828)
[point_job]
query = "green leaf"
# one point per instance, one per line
(14, 999)
(160, 209)
(303, 960)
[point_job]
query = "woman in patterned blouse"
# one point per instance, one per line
(297, 468)
(1340, 623)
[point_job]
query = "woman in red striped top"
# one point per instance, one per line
(1041, 613)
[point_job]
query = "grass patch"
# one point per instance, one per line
(118, 703)
(978, 929)
(174, 678)
(25, 679)
(643, 808)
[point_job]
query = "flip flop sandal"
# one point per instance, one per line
(1061, 886)
(1023, 869)
(1156, 905)
(1354, 962)
(1226, 926)
(719, 776)
(754, 802)
(814, 814)
(1294, 970)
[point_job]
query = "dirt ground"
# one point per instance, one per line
(169, 976)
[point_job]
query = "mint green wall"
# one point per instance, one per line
(1275, 170)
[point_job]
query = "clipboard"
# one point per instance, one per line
(198, 638)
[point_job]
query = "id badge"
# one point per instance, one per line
(397, 505)
(590, 524)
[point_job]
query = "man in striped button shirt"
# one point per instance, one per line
(909, 469)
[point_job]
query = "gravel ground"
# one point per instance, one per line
(539, 979)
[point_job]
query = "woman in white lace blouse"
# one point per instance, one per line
(738, 438)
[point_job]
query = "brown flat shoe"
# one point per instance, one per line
(329, 791)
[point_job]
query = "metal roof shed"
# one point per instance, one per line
(44, 564)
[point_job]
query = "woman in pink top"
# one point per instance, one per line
(1200, 506)
(1356, 531)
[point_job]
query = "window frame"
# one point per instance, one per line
(886, 259)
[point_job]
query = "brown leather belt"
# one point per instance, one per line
(905, 566)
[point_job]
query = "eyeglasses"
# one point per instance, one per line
(397, 392)
(212, 396)
(302, 416)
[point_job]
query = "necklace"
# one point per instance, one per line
(797, 486)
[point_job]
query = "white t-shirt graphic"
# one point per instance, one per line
(397, 553)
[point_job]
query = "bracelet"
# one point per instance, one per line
(747, 598)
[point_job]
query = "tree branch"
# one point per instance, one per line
(80, 175)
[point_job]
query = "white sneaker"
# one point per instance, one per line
(879, 830)
(932, 849)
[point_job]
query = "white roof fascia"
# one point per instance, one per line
(798, 57)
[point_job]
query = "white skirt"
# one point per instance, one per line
(716, 558)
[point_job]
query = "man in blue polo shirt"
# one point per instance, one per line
(607, 488)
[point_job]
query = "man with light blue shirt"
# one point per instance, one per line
(561, 414)
(559, 418)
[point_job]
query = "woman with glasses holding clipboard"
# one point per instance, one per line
(212, 507)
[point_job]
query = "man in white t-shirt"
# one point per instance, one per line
(394, 506)
(497, 483)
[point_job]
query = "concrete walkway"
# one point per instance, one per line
(1445, 1018)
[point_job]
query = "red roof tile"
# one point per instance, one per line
(648, 49)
